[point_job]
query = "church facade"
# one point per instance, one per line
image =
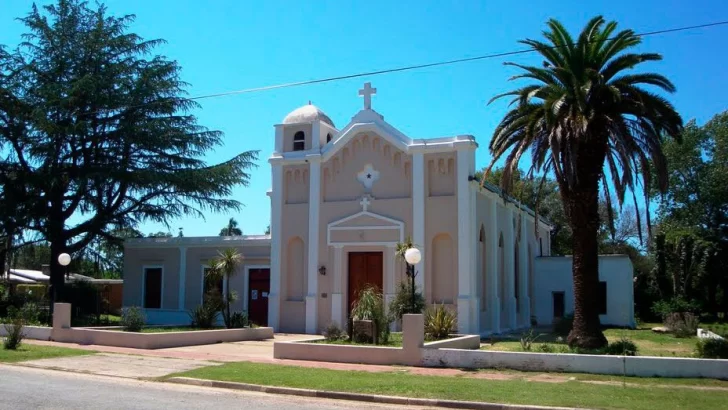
(341, 201)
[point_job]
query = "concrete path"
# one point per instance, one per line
(120, 365)
(24, 388)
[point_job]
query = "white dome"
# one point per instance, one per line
(307, 113)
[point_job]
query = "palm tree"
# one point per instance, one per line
(226, 265)
(231, 229)
(583, 110)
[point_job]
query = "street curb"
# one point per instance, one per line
(369, 398)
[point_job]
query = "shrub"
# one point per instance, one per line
(132, 319)
(563, 326)
(370, 306)
(204, 316)
(31, 314)
(546, 348)
(664, 308)
(15, 330)
(333, 332)
(527, 339)
(683, 324)
(440, 322)
(402, 302)
(622, 347)
(712, 348)
(564, 349)
(238, 320)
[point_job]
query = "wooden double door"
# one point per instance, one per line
(365, 269)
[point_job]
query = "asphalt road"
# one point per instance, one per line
(26, 388)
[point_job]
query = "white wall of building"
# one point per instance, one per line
(553, 274)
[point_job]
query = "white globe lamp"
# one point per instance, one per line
(64, 259)
(412, 256)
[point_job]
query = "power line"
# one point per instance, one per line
(427, 65)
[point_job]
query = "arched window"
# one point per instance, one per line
(328, 138)
(299, 141)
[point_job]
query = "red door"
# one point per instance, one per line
(365, 269)
(258, 288)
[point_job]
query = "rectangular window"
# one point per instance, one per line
(212, 286)
(559, 307)
(153, 288)
(602, 298)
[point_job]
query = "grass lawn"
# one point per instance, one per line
(395, 340)
(31, 352)
(517, 391)
(648, 342)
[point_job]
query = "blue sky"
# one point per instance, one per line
(231, 45)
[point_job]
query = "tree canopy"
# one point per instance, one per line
(96, 125)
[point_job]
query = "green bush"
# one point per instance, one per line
(622, 347)
(402, 302)
(682, 324)
(333, 333)
(663, 308)
(204, 316)
(238, 320)
(712, 348)
(15, 330)
(563, 326)
(132, 319)
(546, 348)
(440, 322)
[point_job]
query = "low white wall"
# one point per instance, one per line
(459, 342)
(553, 274)
(158, 340)
(30, 332)
(577, 363)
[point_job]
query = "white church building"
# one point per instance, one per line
(341, 201)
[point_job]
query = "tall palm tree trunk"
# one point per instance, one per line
(582, 204)
(586, 332)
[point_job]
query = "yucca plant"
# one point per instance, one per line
(226, 266)
(370, 306)
(440, 322)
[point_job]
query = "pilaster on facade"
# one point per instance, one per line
(182, 276)
(316, 135)
(492, 264)
(418, 216)
(314, 201)
(510, 271)
(337, 297)
(466, 273)
(274, 302)
(524, 301)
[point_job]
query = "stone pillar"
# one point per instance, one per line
(509, 242)
(390, 285)
(524, 300)
(61, 315)
(182, 276)
(314, 201)
(276, 203)
(337, 298)
(492, 263)
(418, 216)
(413, 331)
(465, 242)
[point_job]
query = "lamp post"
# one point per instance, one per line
(64, 259)
(412, 256)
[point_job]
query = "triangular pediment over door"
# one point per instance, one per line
(365, 228)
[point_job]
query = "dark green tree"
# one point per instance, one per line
(97, 124)
(693, 216)
(587, 119)
(231, 229)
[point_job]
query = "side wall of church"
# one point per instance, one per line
(441, 229)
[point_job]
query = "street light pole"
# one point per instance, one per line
(412, 257)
